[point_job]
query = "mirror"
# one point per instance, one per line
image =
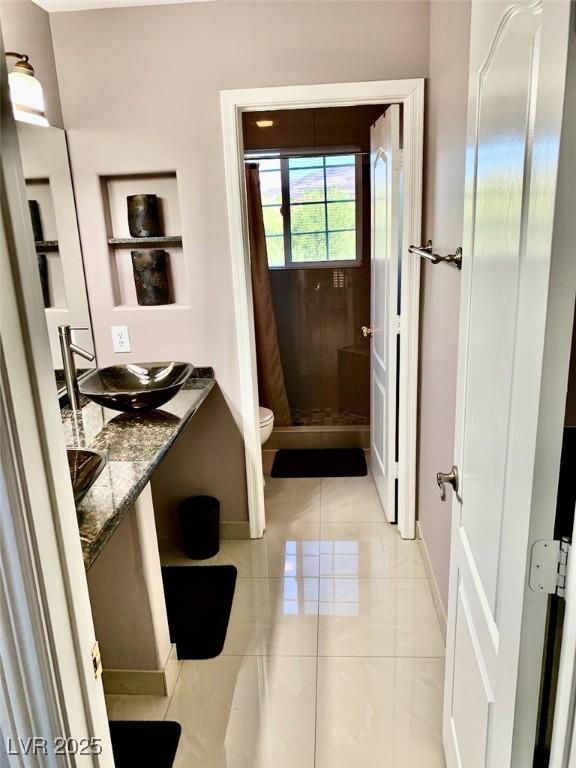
(53, 213)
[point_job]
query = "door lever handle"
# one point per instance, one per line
(448, 477)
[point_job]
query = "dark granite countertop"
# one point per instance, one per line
(133, 445)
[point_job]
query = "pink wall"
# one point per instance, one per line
(140, 92)
(443, 206)
(26, 29)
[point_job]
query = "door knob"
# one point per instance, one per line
(366, 331)
(447, 477)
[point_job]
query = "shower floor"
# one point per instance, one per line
(328, 417)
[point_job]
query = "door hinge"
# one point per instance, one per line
(396, 470)
(398, 323)
(549, 566)
(96, 660)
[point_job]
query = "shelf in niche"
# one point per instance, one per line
(147, 242)
(46, 245)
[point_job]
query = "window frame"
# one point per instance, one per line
(285, 209)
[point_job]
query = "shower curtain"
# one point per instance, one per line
(271, 384)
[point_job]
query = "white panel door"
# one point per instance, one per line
(385, 158)
(516, 96)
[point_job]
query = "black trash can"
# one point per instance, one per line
(200, 526)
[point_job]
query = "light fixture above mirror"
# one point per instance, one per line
(26, 92)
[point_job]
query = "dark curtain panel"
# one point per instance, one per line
(271, 385)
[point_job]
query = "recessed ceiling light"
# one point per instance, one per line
(264, 123)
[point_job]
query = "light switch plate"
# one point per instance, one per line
(120, 338)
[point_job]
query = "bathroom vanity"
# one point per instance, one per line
(119, 540)
(133, 447)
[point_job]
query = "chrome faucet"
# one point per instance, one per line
(69, 349)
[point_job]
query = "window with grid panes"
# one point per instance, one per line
(310, 210)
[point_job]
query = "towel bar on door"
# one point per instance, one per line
(454, 259)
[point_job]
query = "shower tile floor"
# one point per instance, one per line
(334, 654)
(328, 417)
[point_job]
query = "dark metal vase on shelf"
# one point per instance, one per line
(36, 220)
(42, 261)
(40, 257)
(143, 216)
(151, 277)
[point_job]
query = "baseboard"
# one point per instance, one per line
(318, 437)
(139, 682)
(235, 529)
(438, 605)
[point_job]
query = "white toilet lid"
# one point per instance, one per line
(266, 415)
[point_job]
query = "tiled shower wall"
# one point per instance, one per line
(319, 313)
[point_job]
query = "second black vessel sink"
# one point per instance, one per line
(135, 387)
(84, 466)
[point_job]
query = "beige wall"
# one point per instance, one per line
(26, 29)
(140, 91)
(206, 460)
(132, 627)
(443, 206)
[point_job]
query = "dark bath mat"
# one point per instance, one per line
(141, 744)
(320, 462)
(198, 603)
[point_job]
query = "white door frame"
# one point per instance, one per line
(410, 94)
(47, 634)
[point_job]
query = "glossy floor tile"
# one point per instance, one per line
(292, 500)
(333, 655)
(350, 500)
(246, 712)
(367, 550)
(378, 617)
(379, 712)
(273, 616)
(291, 550)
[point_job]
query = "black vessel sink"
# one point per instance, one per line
(135, 387)
(85, 466)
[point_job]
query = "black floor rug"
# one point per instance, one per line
(320, 462)
(140, 744)
(198, 603)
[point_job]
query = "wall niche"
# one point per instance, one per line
(40, 199)
(115, 192)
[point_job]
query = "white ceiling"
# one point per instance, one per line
(88, 5)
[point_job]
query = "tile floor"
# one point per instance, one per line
(334, 655)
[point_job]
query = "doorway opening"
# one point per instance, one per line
(240, 109)
(310, 225)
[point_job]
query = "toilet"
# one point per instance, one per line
(266, 424)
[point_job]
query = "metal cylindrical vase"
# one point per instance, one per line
(42, 261)
(36, 220)
(151, 277)
(41, 258)
(143, 216)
